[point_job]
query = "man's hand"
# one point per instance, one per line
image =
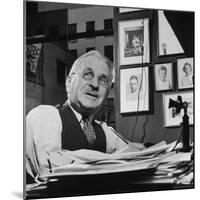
(133, 147)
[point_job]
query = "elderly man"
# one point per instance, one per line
(50, 131)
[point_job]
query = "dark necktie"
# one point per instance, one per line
(89, 131)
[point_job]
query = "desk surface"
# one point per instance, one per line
(102, 184)
(125, 181)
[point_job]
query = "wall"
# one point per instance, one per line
(154, 125)
(150, 126)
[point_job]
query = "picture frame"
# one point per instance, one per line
(185, 75)
(163, 77)
(134, 89)
(168, 43)
(134, 42)
(127, 10)
(170, 117)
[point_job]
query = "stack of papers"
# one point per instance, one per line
(157, 163)
(176, 167)
(94, 162)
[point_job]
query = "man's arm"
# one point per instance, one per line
(43, 139)
(116, 142)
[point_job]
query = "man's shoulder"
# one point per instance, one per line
(43, 110)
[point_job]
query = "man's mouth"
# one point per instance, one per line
(92, 95)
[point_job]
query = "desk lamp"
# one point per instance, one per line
(179, 104)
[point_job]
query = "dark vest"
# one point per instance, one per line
(73, 137)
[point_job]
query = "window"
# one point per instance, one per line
(108, 52)
(90, 49)
(90, 26)
(72, 29)
(108, 24)
(39, 30)
(74, 52)
(54, 30)
(61, 72)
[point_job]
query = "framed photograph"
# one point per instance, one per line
(134, 89)
(134, 41)
(185, 73)
(168, 43)
(171, 118)
(163, 76)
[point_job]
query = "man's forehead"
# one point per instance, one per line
(93, 61)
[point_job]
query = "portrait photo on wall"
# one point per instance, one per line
(163, 76)
(171, 117)
(185, 73)
(134, 41)
(134, 89)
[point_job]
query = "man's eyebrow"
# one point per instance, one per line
(88, 68)
(104, 76)
(101, 75)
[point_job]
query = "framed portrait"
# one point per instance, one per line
(171, 118)
(163, 76)
(134, 89)
(134, 41)
(185, 73)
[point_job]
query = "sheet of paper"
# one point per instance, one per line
(105, 168)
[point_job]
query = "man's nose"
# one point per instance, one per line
(94, 83)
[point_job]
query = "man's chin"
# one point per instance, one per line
(90, 106)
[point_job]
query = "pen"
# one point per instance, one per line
(50, 169)
(31, 166)
(114, 150)
(119, 136)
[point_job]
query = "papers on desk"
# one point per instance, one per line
(168, 167)
(176, 167)
(90, 156)
(95, 162)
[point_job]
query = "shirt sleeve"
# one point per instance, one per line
(43, 140)
(113, 141)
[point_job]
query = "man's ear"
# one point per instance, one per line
(68, 83)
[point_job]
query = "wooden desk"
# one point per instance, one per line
(123, 182)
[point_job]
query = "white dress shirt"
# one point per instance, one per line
(43, 139)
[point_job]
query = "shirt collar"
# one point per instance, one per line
(78, 115)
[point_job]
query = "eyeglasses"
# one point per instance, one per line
(88, 75)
